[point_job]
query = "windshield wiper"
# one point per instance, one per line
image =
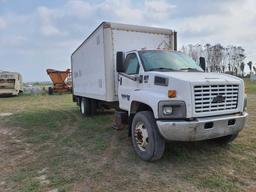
(189, 69)
(161, 69)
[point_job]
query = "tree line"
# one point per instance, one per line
(222, 59)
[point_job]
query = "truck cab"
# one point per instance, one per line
(167, 96)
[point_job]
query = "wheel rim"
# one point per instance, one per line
(141, 136)
(82, 106)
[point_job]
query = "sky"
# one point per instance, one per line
(36, 35)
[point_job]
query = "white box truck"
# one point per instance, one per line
(159, 92)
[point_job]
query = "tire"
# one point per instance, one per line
(78, 101)
(147, 142)
(93, 106)
(225, 140)
(85, 107)
(50, 90)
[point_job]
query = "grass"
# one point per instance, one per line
(250, 86)
(48, 137)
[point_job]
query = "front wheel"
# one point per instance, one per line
(147, 142)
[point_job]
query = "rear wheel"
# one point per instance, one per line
(93, 106)
(146, 140)
(85, 107)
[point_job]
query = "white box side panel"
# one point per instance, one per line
(89, 67)
(94, 62)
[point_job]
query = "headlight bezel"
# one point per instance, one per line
(178, 109)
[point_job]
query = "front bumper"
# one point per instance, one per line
(196, 130)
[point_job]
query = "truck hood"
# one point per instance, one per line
(184, 82)
(200, 77)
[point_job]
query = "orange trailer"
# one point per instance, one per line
(60, 81)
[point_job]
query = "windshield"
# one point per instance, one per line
(154, 60)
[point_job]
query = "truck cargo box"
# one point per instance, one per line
(93, 62)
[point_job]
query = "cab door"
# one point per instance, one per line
(128, 80)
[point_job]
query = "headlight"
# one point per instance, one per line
(171, 109)
(167, 110)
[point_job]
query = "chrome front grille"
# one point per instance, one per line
(210, 98)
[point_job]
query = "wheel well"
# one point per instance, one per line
(138, 106)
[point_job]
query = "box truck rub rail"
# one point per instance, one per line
(159, 92)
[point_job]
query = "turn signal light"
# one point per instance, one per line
(172, 93)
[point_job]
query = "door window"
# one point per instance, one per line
(132, 64)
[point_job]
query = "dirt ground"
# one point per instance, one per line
(50, 147)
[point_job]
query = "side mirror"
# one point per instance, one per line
(120, 62)
(202, 62)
